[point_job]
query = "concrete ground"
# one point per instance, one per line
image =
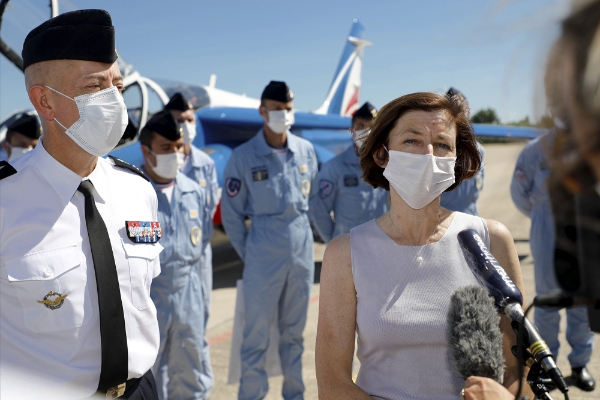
(495, 203)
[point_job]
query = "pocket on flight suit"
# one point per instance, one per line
(52, 287)
(140, 258)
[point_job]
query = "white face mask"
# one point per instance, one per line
(280, 120)
(189, 131)
(359, 136)
(419, 178)
(16, 152)
(102, 121)
(167, 165)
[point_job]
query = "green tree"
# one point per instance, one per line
(485, 116)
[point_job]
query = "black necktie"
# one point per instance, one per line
(113, 337)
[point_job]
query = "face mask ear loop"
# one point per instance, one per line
(54, 90)
(154, 154)
(62, 94)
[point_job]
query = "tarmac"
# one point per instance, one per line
(494, 203)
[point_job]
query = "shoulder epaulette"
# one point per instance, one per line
(6, 170)
(123, 164)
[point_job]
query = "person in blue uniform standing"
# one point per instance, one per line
(339, 187)
(199, 167)
(530, 194)
(21, 136)
(464, 197)
(268, 180)
(177, 292)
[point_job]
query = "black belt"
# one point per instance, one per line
(119, 390)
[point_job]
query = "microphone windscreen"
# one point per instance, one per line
(473, 333)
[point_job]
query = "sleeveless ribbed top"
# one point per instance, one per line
(403, 294)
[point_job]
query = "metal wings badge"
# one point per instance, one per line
(55, 303)
(143, 231)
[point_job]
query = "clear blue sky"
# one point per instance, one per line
(491, 50)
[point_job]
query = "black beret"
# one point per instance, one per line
(277, 91)
(27, 125)
(454, 92)
(78, 35)
(165, 124)
(367, 111)
(178, 102)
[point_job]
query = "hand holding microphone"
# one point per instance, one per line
(508, 300)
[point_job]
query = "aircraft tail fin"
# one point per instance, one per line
(342, 97)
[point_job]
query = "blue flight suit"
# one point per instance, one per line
(178, 293)
(277, 253)
(530, 195)
(201, 169)
(339, 187)
(464, 197)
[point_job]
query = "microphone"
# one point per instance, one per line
(473, 333)
(508, 300)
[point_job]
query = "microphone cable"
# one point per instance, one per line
(521, 356)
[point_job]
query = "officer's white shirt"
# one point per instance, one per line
(44, 247)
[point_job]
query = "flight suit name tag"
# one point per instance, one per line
(350, 180)
(260, 174)
(143, 231)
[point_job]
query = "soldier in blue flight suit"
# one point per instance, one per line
(464, 197)
(530, 194)
(339, 187)
(199, 167)
(177, 292)
(268, 180)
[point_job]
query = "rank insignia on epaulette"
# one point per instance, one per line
(143, 231)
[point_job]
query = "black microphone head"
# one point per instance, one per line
(473, 334)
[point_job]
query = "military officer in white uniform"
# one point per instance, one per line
(78, 233)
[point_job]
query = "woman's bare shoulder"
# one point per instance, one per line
(499, 234)
(337, 259)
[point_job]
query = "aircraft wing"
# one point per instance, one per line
(507, 132)
(234, 126)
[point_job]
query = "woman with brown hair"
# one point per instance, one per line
(390, 280)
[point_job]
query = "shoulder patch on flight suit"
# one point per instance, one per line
(122, 164)
(6, 170)
(232, 186)
(260, 174)
(519, 174)
(325, 188)
(350, 180)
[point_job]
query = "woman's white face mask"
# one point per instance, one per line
(102, 120)
(167, 165)
(419, 178)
